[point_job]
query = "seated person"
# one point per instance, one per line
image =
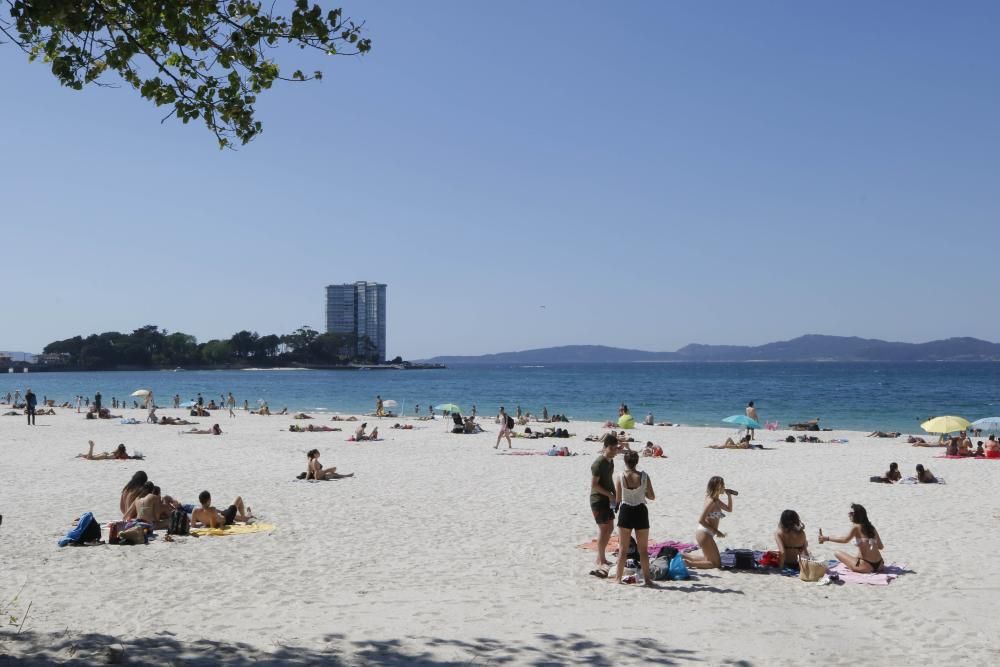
(359, 433)
(992, 448)
(653, 450)
(210, 517)
(964, 446)
(953, 445)
(979, 450)
(211, 405)
(215, 430)
(147, 506)
(893, 475)
(925, 476)
(791, 539)
(119, 454)
(315, 469)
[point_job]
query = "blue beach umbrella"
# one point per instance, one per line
(986, 424)
(742, 420)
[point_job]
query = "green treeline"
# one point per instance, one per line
(151, 347)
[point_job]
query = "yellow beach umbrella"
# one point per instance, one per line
(946, 424)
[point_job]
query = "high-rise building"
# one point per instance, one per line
(359, 309)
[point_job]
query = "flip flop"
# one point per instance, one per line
(600, 574)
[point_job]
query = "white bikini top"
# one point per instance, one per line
(637, 496)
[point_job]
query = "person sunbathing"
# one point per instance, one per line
(215, 430)
(979, 453)
(744, 443)
(883, 434)
(314, 427)
(174, 421)
(301, 415)
(405, 427)
(917, 441)
(120, 454)
(210, 517)
(869, 558)
(809, 438)
(925, 476)
(791, 539)
(965, 446)
(315, 469)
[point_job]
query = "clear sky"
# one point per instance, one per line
(653, 173)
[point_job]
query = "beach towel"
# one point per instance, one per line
(235, 529)
(881, 578)
(653, 547)
(913, 480)
(520, 453)
(130, 420)
(978, 458)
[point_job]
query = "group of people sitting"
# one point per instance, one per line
(924, 475)
(141, 500)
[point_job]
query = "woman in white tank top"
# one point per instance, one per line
(633, 489)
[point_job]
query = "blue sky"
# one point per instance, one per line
(665, 174)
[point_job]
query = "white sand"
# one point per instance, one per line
(443, 552)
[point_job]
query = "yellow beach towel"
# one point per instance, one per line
(235, 529)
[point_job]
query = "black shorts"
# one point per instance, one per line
(633, 517)
(602, 511)
(229, 514)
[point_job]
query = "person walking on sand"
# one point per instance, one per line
(231, 404)
(602, 502)
(752, 414)
(30, 401)
(97, 402)
(505, 425)
(379, 407)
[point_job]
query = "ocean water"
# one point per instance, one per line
(864, 396)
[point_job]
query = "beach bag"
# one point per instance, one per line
(659, 569)
(134, 535)
(180, 523)
(738, 559)
(510, 422)
(87, 529)
(678, 568)
(667, 552)
(770, 559)
(811, 570)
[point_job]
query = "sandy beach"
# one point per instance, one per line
(445, 551)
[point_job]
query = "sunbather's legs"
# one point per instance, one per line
(241, 510)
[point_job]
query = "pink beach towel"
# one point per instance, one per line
(683, 547)
(881, 578)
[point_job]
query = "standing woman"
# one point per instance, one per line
(132, 490)
(633, 489)
(869, 558)
(708, 525)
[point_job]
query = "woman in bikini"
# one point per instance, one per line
(132, 490)
(119, 454)
(315, 469)
(708, 525)
(869, 558)
(791, 539)
(633, 489)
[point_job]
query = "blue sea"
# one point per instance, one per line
(863, 396)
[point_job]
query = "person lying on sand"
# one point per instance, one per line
(315, 469)
(809, 438)
(744, 443)
(405, 427)
(301, 415)
(883, 434)
(174, 421)
(210, 517)
(925, 476)
(119, 454)
(215, 430)
(314, 427)
(917, 441)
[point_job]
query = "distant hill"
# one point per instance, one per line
(811, 347)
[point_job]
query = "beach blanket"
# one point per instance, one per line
(130, 420)
(235, 529)
(913, 480)
(653, 547)
(520, 453)
(978, 458)
(881, 578)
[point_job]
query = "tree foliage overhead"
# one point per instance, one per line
(151, 347)
(205, 59)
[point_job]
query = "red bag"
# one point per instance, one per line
(770, 559)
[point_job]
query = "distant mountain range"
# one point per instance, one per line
(811, 347)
